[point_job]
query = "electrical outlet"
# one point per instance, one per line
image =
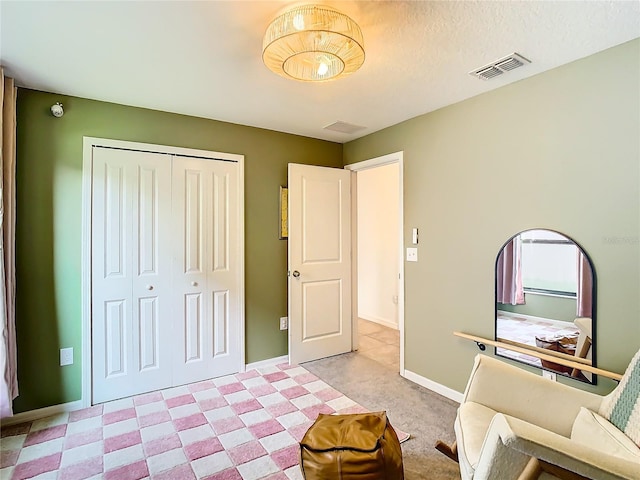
(66, 356)
(412, 254)
(550, 375)
(284, 323)
(394, 299)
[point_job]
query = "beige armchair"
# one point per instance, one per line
(514, 425)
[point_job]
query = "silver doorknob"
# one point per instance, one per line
(149, 287)
(296, 273)
(194, 284)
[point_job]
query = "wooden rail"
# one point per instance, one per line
(540, 355)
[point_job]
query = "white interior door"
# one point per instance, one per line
(131, 330)
(319, 262)
(206, 273)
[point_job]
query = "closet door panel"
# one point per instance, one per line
(223, 274)
(220, 217)
(151, 288)
(192, 325)
(130, 268)
(192, 219)
(113, 193)
(220, 323)
(149, 333)
(149, 204)
(190, 207)
(116, 323)
(204, 207)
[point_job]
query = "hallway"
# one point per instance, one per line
(379, 343)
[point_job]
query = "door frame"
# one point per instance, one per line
(391, 158)
(85, 266)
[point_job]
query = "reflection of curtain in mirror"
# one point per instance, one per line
(585, 287)
(509, 274)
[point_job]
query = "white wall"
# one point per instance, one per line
(378, 210)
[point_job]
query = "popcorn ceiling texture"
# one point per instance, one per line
(417, 55)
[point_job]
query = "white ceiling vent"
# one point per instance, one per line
(344, 127)
(503, 65)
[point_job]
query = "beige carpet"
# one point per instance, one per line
(426, 415)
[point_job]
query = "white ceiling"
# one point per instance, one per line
(203, 58)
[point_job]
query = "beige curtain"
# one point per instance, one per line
(8, 363)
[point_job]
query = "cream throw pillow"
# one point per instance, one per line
(593, 431)
(622, 406)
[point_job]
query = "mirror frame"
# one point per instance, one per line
(594, 296)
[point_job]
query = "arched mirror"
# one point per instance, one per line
(545, 301)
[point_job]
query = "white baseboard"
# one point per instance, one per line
(32, 415)
(379, 320)
(450, 393)
(269, 362)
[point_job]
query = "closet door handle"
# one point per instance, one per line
(296, 273)
(194, 284)
(149, 287)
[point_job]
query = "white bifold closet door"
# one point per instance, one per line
(165, 279)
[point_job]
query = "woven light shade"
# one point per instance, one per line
(313, 43)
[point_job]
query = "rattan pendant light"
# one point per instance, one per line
(313, 43)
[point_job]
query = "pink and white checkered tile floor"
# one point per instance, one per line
(239, 427)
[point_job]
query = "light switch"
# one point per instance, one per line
(412, 254)
(414, 236)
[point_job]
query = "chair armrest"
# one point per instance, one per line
(518, 393)
(512, 441)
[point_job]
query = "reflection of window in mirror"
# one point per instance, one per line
(544, 300)
(549, 263)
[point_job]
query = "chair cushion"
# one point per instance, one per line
(622, 406)
(474, 424)
(594, 431)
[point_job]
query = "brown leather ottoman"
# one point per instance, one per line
(360, 446)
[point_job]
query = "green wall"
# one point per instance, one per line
(559, 150)
(545, 306)
(48, 226)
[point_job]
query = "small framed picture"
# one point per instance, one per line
(283, 228)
